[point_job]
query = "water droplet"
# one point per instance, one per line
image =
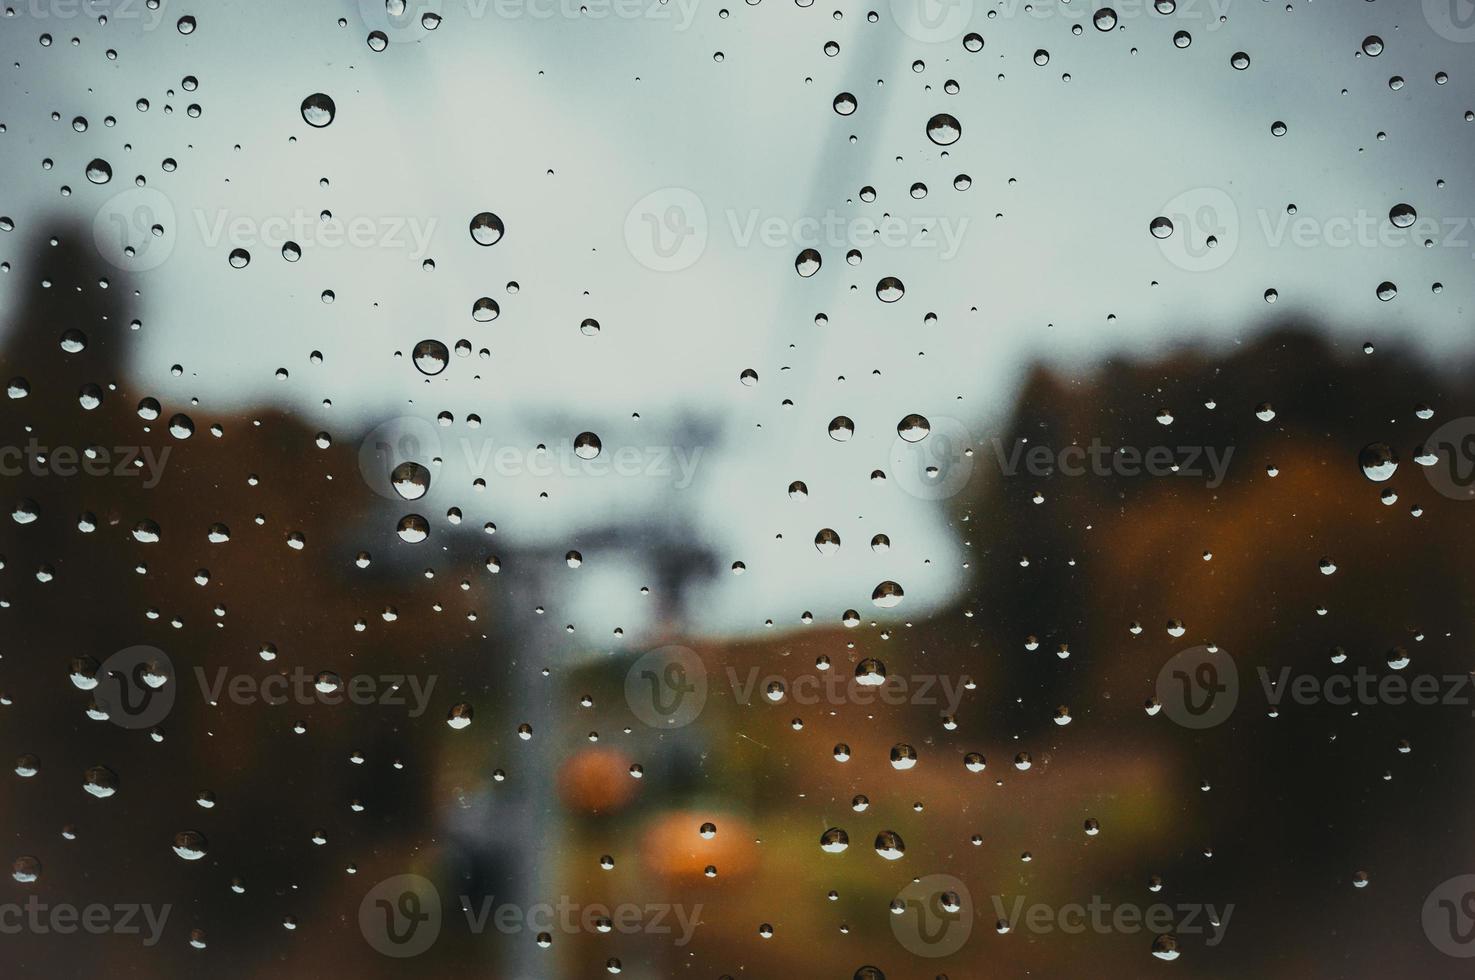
(410, 480)
(190, 845)
(914, 428)
(318, 110)
(834, 841)
(1378, 461)
(431, 357)
(944, 129)
(100, 781)
(1165, 947)
(887, 595)
(890, 845)
(587, 445)
(486, 228)
(807, 263)
(413, 529)
(485, 310)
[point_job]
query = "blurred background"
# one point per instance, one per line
(603, 503)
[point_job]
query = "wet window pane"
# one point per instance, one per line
(561, 488)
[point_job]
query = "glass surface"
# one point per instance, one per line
(562, 488)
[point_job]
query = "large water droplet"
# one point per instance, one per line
(318, 110)
(914, 428)
(190, 845)
(944, 129)
(1378, 460)
(431, 357)
(587, 445)
(413, 529)
(486, 228)
(887, 595)
(410, 480)
(807, 263)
